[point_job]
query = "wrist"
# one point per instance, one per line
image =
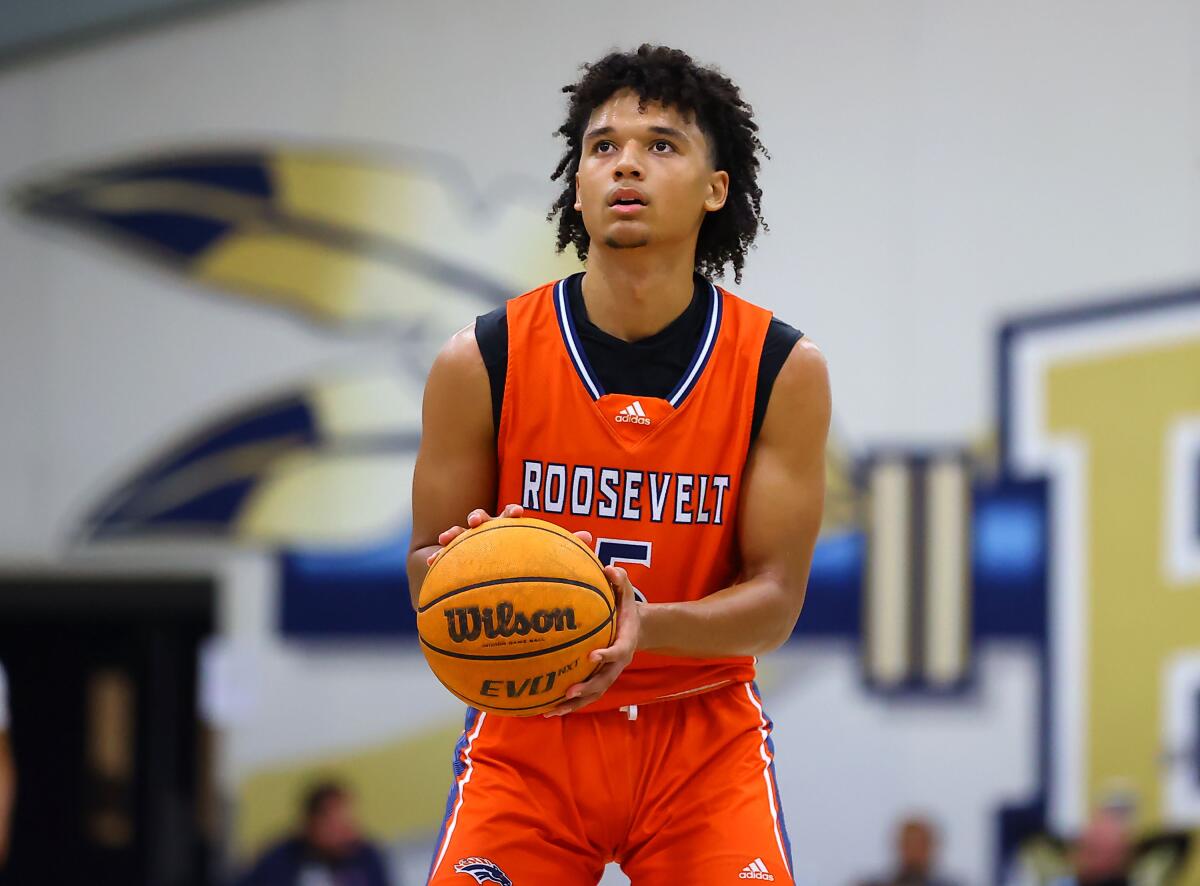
(650, 625)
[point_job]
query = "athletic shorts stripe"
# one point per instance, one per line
(767, 752)
(463, 767)
(775, 779)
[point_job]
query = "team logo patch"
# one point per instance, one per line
(484, 870)
(756, 870)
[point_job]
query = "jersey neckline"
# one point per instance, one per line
(583, 367)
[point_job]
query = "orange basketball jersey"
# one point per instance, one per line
(656, 481)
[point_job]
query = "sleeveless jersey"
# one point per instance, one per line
(656, 481)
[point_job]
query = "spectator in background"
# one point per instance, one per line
(1103, 853)
(916, 856)
(8, 773)
(330, 849)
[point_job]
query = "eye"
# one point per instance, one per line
(601, 147)
(662, 146)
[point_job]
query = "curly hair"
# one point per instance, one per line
(670, 77)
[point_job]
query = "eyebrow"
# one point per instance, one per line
(657, 130)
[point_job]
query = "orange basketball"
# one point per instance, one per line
(509, 612)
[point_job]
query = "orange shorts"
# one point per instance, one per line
(679, 791)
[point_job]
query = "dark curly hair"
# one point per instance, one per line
(670, 77)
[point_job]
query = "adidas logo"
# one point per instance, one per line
(756, 870)
(633, 414)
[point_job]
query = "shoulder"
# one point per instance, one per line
(780, 336)
(800, 401)
(781, 333)
(805, 366)
(491, 335)
(460, 357)
(279, 856)
(458, 392)
(370, 855)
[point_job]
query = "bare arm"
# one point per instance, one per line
(783, 495)
(455, 472)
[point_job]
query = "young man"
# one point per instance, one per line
(682, 431)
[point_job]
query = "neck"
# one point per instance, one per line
(634, 293)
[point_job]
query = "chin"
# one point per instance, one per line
(628, 242)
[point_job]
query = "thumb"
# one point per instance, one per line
(616, 575)
(603, 655)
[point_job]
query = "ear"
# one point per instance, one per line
(578, 199)
(718, 190)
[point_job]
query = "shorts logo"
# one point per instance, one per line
(756, 870)
(484, 870)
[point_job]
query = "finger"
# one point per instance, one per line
(573, 704)
(616, 576)
(584, 536)
(619, 651)
(477, 516)
(450, 534)
(568, 707)
(513, 511)
(596, 684)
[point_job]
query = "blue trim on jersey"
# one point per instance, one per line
(458, 767)
(787, 843)
(704, 349)
(591, 381)
(566, 325)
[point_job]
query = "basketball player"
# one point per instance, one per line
(679, 429)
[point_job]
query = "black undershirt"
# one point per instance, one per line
(648, 367)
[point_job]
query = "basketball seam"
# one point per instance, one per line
(475, 533)
(514, 580)
(519, 655)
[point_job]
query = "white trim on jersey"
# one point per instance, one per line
(560, 295)
(462, 784)
(702, 355)
(704, 349)
(762, 749)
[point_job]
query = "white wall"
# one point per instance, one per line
(936, 167)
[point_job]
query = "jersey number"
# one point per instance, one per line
(621, 550)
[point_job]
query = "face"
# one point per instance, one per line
(916, 847)
(1103, 848)
(333, 830)
(645, 176)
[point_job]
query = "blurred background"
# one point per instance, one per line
(233, 235)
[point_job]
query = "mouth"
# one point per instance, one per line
(626, 200)
(627, 208)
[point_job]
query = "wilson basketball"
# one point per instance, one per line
(509, 612)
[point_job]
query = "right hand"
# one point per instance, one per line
(478, 517)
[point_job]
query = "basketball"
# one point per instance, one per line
(509, 612)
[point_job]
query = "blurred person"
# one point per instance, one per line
(689, 426)
(8, 773)
(1103, 854)
(916, 856)
(329, 850)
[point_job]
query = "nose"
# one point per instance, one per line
(629, 162)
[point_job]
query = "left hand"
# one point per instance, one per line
(614, 658)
